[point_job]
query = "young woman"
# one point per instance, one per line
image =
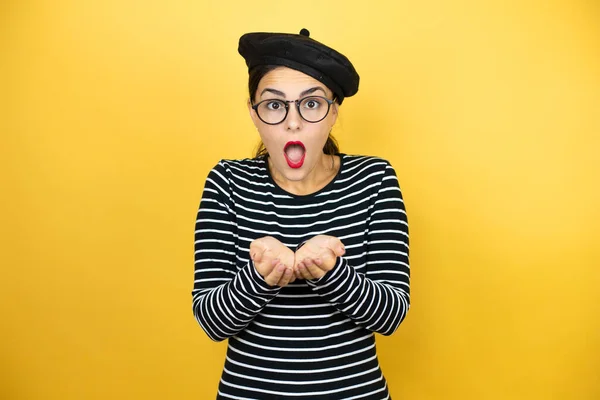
(301, 253)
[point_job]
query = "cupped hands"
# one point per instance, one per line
(279, 265)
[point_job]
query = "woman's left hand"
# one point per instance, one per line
(317, 256)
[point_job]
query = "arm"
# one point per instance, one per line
(380, 298)
(227, 295)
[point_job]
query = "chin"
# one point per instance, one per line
(294, 174)
(290, 173)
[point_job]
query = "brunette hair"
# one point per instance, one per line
(254, 76)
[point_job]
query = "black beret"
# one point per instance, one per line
(302, 53)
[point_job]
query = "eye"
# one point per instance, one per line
(311, 103)
(274, 105)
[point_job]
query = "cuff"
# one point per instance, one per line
(337, 284)
(251, 282)
(338, 271)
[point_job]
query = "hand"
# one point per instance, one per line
(273, 261)
(317, 256)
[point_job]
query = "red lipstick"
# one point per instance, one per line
(294, 153)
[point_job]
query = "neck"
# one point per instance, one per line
(323, 172)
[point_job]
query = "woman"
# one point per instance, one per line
(301, 253)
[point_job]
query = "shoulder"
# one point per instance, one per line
(375, 172)
(357, 164)
(242, 163)
(239, 173)
(231, 168)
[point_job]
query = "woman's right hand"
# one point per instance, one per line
(273, 261)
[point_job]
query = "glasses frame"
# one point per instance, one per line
(287, 103)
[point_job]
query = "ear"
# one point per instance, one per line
(253, 115)
(334, 107)
(334, 112)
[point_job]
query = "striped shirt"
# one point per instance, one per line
(312, 339)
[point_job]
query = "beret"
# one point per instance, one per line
(302, 53)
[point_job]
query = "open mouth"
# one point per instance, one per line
(294, 154)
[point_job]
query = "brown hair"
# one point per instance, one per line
(254, 76)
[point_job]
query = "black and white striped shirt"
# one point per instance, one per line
(311, 339)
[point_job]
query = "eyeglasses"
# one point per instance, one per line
(311, 109)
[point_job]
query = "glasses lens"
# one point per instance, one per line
(314, 108)
(271, 111)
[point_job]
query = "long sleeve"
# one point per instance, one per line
(379, 298)
(227, 293)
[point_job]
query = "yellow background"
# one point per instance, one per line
(113, 112)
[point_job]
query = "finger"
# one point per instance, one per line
(313, 268)
(272, 264)
(297, 273)
(286, 278)
(304, 273)
(327, 263)
(275, 275)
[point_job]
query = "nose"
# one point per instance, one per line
(293, 120)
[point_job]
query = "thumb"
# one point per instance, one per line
(337, 247)
(257, 250)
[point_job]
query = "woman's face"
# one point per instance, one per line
(295, 146)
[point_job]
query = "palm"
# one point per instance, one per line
(266, 251)
(321, 247)
(279, 265)
(284, 255)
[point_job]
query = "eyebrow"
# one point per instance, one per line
(304, 93)
(312, 90)
(274, 91)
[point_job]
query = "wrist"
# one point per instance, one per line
(337, 262)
